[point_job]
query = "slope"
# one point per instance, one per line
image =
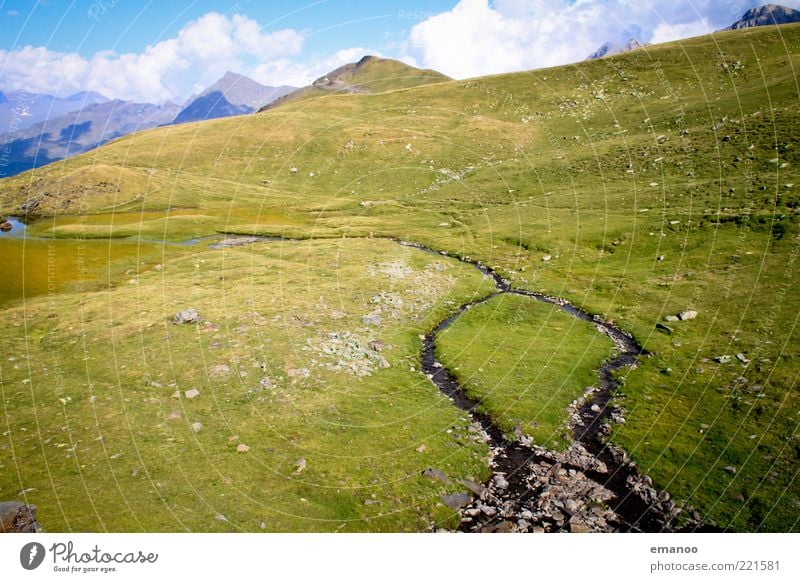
(638, 186)
(369, 75)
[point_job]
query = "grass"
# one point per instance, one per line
(658, 181)
(525, 362)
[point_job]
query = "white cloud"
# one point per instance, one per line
(201, 53)
(666, 32)
(479, 37)
(287, 72)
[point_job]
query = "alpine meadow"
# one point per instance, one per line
(563, 299)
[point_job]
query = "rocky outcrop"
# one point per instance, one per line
(18, 517)
(766, 15)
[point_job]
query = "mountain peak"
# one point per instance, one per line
(766, 15)
(233, 94)
(609, 48)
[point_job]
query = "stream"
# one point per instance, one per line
(593, 486)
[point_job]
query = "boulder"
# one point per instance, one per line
(372, 319)
(17, 517)
(456, 501)
(687, 315)
(190, 315)
(664, 328)
(436, 475)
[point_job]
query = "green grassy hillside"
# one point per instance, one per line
(369, 75)
(637, 186)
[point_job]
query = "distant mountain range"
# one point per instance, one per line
(232, 95)
(20, 109)
(766, 15)
(81, 130)
(41, 129)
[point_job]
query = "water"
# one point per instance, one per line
(17, 228)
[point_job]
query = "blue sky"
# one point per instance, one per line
(88, 26)
(157, 50)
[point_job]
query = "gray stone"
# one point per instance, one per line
(671, 318)
(193, 393)
(17, 517)
(190, 315)
(476, 488)
(730, 469)
(722, 359)
(456, 500)
(372, 319)
(664, 328)
(687, 315)
(500, 482)
(436, 475)
(742, 358)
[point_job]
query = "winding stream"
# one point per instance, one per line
(523, 473)
(592, 486)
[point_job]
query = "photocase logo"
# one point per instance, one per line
(31, 555)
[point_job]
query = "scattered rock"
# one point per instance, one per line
(197, 426)
(500, 482)
(298, 373)
(456, 501)
(193, 393)
(373, 318)
(174, 415)
(730, 469)
(742, 358)
(687, 315)
(242, 448)
(300, 464)
(546, 258)
(421, 449)
(219, 370)
(476, 488)
(664, 328)
(190, 315)
(502, 527)
(18, 517)
(578, 526)
(722, 359)
(436, 475)
(671, 318)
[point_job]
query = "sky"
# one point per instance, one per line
(156, 51)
